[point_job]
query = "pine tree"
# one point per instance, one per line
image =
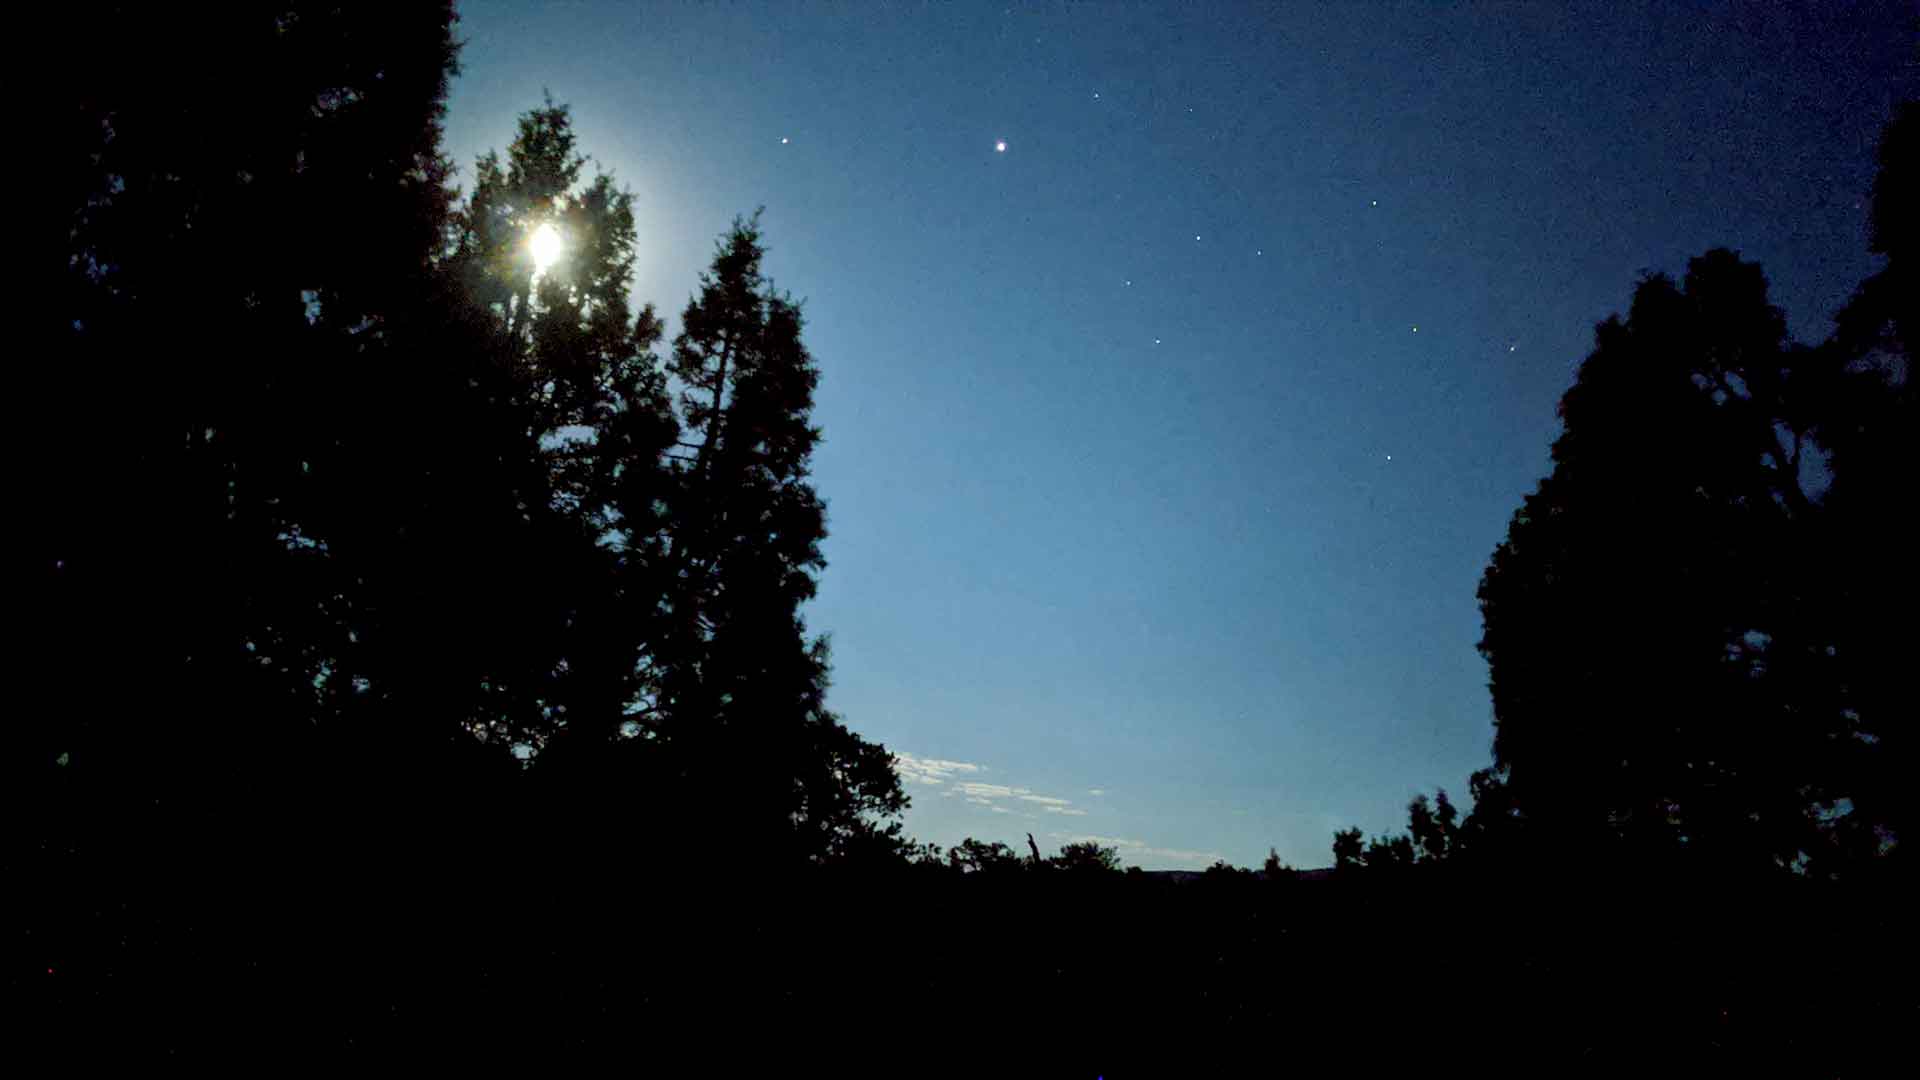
(741, 684)
(580, 365)
(668, 662)
(257, 199)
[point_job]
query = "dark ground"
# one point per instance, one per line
(420, 955)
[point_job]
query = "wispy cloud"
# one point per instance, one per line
(1178, 855)
(988, 795)
(978, 790)
(1136, 850)
(915, 769)
(948, 775)
(1096, 791)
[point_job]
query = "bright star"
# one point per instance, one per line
(783, 140)
(1000, 147)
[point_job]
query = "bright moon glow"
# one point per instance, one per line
(545, 246)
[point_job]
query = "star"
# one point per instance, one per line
(1196, 236)
(1000, 147)
(1389, 457)
(1128, 283)
(1096, 95)
(1156, 341)
(783, 140)
(1512, 348)
(1259, 252)
(1416, 329)
(1376, 202)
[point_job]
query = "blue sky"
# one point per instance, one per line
(1165, 448)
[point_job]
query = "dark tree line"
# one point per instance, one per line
(971, 856)
(354, 542)
(1698, 626)
(403, 630)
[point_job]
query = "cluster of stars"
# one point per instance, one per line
(1000, 147)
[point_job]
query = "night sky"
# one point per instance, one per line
(1166, 445)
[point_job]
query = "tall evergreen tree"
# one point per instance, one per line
(741, 685)
(249, 276)
(678, 664)
(570, 349)
(397, 506)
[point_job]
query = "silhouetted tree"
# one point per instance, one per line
(1222, 870)
(1652, 682)
(406, 508)
(1086, 857)
(1868, 423)
(285, 451)
(1432, 836)
(1432, 826)
(972, 856)
(671, 658)
(1493, 818)
(1348, 849)
(578, 364)
(1695, 644)
(1385, 851)
(736, 686)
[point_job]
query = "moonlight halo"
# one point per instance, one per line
(545, 244)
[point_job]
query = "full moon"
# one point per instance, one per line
(545, 246)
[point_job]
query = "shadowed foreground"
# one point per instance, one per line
(424, 959)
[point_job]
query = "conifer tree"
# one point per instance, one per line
(741, 685)
(669, 657)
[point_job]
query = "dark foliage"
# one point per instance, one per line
(367, 604)
(1696, 625)
(386, 605)
(1086, 857)
(971, 856)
